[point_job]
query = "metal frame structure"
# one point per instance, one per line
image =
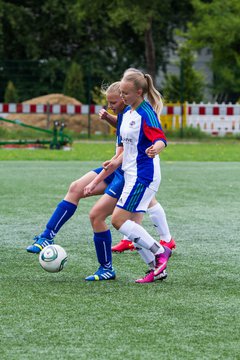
(58, 140)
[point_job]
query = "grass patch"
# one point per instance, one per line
(192, 315)
(100, 151)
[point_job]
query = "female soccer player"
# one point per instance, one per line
(67, 207)
(105, 206)
(143, 139)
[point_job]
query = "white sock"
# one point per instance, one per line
(147, 256)
(140, 236)
(159, 220)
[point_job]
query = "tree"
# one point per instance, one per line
(11, 95)
(73, 85)
(1, 29)
(103, 37)
(154, 23)
(189, 85)
(217, 26)
(25, 58)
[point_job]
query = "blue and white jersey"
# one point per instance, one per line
(118, 136)
(140, 129)
(119, 123)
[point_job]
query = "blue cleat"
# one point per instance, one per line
(39, 244)
(102, 274)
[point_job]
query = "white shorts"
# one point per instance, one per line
(135, 197)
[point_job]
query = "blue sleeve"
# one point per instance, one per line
(119, 122)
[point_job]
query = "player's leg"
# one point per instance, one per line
(76, 189)
(136, 198)
(158, 217)
(124, 244)
(147, 257)
(65, 210)
(102, 237)
(142, 239)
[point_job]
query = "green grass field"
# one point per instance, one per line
(194, 314)
(214, 150)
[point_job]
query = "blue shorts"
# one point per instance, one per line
(115, 183)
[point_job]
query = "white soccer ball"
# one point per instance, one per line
(53, 258)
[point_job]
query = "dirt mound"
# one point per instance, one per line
(77, 123)
(53, 99)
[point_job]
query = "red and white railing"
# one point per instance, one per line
(217, 119)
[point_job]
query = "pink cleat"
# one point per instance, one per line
(147, 278)
(162, 276)
(150, 278)
(171, 244)
(162, 261)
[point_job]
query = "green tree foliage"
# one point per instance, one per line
(217, 26)
(154, 23)
(102, 48)
(11, 95)
(1, 30)
(103, 37)
(189, 84)
(106, 37)
(73, 85)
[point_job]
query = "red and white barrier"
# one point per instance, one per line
(213, 109)
(49, 109)
(216, 119)
(67, 109)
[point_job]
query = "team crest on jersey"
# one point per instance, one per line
(132, 123)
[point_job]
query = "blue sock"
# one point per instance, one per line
(103, 242)
(63, 212)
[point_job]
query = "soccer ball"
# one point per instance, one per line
(53, 258)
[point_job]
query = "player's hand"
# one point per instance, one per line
(112, 165)
(103, 114)
(105, 164)
(151, 152)
(88, 190)
(155, 149)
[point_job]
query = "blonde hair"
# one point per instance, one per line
(114, 88)
(145, 82)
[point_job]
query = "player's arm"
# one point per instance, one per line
(158, 138)
(114, 163)
(111, 119)
(108, 168)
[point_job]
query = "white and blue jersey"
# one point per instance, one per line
(115, 181)
(139, 130)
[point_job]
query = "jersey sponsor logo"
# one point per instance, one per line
(127, 140)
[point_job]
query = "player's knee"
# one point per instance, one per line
(72, 187)
(75, 190)
(93, 216)
(116, 222)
